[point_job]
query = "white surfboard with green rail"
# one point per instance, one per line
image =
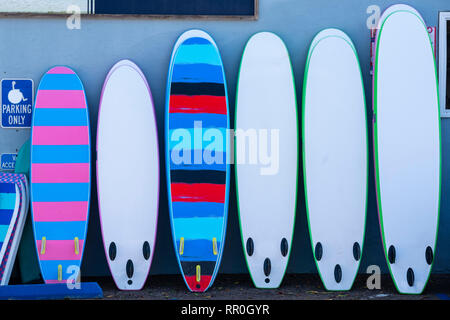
(335, 157)
(407, 146)
(266, 157)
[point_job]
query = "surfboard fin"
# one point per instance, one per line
(181, 246)
(356, 251)
(77, 246)
(410, 277)
(59, 272)
(391, 254)
(318, 251)
(215, 251)
(338, 273)
(43, 243)
(267, 267)
(198, 273)
(429, 255)
(112, 251)
(284, 247)
(146, 250)
(250, 247)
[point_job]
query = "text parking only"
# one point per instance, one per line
(17, 103)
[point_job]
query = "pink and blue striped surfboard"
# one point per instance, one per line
(60, 174)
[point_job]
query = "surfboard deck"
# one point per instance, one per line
(128, 199)
(407, 149)
(14, 199)
(335, 157)
(60, 174)
(197, 122)
(266, 104)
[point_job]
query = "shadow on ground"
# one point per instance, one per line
(294, 287)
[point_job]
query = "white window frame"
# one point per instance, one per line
(444, 17)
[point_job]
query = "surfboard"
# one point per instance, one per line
(197, 124)
(335, 157)
(127, 174)
(14, 199)
(27, 257)
(60, 174)
(407, 146)
(266, 123)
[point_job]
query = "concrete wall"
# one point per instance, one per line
(29, 46)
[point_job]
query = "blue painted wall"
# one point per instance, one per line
(29, 46)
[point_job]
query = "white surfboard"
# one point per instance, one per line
(407, 146)
(127, 174)
(335, 155)
(266, 124)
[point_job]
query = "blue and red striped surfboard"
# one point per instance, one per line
(197, 124)
(60, 174)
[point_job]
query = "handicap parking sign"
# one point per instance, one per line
(17, 103)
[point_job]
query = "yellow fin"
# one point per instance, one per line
(77, 246)
(214, 241)
(59, 272)
(43, 241)
(181, 246)
(198, 273)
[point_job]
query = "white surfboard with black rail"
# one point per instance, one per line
(335, 159)
(407, 146)
(266, 123)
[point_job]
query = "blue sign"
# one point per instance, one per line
(17, 103)
(8, 161)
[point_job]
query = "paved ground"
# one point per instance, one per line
(294, 287)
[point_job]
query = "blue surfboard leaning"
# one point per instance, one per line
(14, 200)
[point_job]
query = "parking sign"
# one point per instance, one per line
(17, 103)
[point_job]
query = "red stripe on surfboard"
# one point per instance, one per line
(198, 286)
(198, 192)
(198, 104)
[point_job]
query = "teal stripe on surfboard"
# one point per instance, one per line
(8, 201)
(198, 53)
(3, 231)
(198, 228)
